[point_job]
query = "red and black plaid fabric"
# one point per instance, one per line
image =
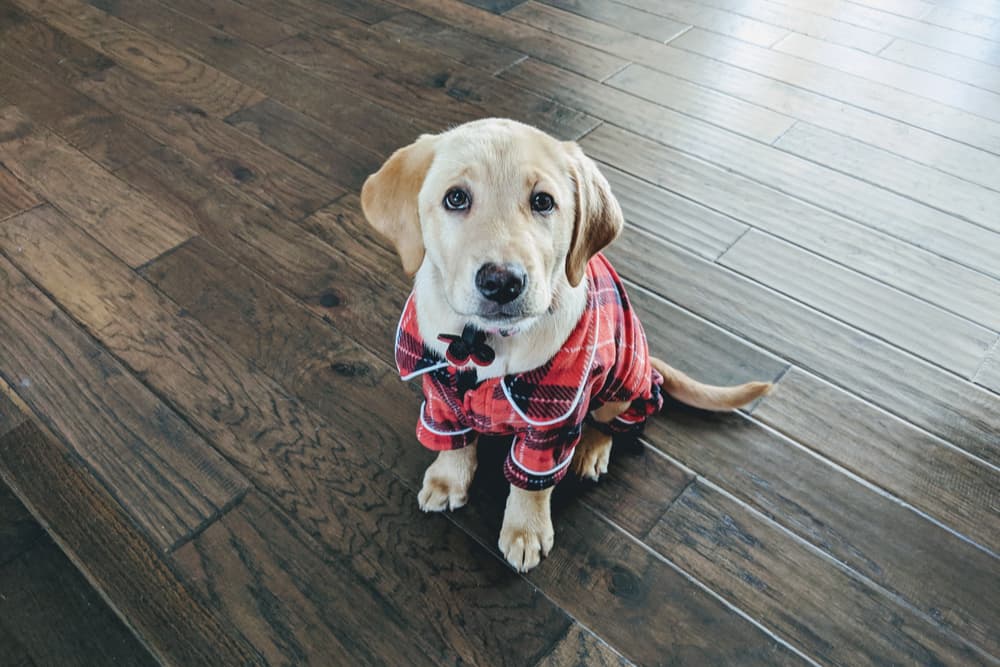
(605, 359)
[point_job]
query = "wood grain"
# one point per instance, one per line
(117, 216)
(642, 23)
(579, 648)
(963, 160)
(699, 105)
(229, 155)
(170, 480)
(989, 372)
(19, 531)
(818, 606)
(928, 114)
(855, 523)
(892, 379)
(214, 92)
(101, 541)
(917, 272)
(58, 618)
(907, 322)
(952, 65)
(525, 38)
(14, 195)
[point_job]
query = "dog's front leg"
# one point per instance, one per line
(527, 534)
(447, 480)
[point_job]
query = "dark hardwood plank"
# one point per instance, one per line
(495, 6)
(898, 382)
(853, 522)
(58, 618)
(11, 415)
(369, 11)
(429, 84)
(912, 109)
(890, 260)
(89, 128)
(525, 38)
(229, 155)
(342, 111)
(34, 46)
(901, 77)
(339, 159)
(14, 195)
(310, 370)
(951, 65)
(897, 318)
(236, 19)
(661, 27)
(14, 653)
(331, 282)
(303, 463)
(700, 105)
(804, 22)
(958, 490)
(169, 480)
(99, 539)
(120, 218)
(19, 531)
(428, 33)
(874, 165)
(579, 648)
(214, 92)
(822, 608)
(919, 145)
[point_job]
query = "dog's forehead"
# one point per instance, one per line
(498, 149)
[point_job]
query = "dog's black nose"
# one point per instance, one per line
(500, 283)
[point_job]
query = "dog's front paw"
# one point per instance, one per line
(447, 480)
(527, 534)
(590, 459)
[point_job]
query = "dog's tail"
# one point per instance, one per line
(705, 396)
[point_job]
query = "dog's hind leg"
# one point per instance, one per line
(590, 458)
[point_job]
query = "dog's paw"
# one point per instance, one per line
(524, 546)
(590, 459)
(447, 480)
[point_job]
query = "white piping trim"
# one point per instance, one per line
(434, 431)
(534, 473)
(629, 421)
(579, 391)
(414, 374)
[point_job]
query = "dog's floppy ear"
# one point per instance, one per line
(598, 219)
(389, 199)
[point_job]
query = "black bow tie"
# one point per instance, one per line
(472, 343)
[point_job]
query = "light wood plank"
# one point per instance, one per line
(662, 27)
(228, 154)
(897, 381)
(925, 184)
(169, 480)
(919, 273)
(957, 67)
(907, 107)
(988, 8)
(907, 322)
(710, 18)
(989, 373)
(700, 105)
(956, 489)
(963, 21)
(117, 216)
(919, 145)
(813, 601)
(216, 93)
(852, 521)
(902, 77)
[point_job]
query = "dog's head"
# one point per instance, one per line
(502, 212)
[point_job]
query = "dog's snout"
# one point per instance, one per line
(501, 283)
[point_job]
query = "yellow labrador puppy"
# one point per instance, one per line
(517, 324)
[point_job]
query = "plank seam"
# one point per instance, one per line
(989, 355)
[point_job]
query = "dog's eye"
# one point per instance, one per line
(542, 202)
(456, 199)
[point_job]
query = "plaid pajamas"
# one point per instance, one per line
(604, 360)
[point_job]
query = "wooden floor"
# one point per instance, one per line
(198, 398)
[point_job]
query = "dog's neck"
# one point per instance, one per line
(529, 347)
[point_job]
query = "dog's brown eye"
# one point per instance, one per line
(456, 199)
(542, 202)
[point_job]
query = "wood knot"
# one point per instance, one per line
(349, 369)
(329, 300)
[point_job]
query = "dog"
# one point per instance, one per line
(517, 324)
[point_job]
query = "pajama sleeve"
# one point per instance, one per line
(539, 458)
(441, 425)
